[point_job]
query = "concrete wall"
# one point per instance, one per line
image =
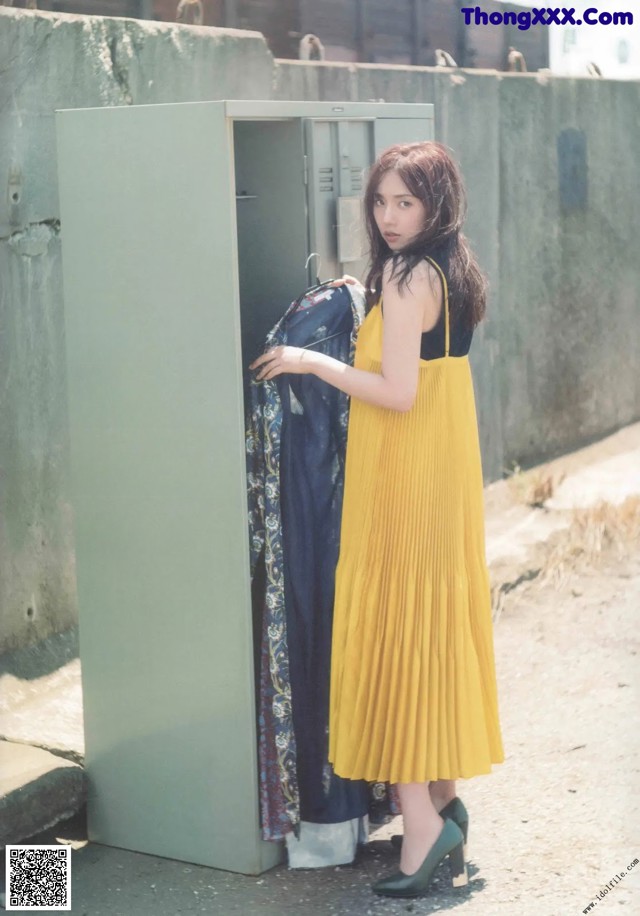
(555, 363)
(569, 269)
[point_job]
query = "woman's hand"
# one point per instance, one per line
(281, 359)
(296, 360)
(346, 279)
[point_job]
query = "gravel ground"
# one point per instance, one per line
(549, 828)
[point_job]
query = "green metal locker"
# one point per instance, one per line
(186, 230)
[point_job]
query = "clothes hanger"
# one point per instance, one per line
(319, 284)
(314, 254)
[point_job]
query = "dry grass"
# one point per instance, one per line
(593, 535)
(533, 488)
(592, 532)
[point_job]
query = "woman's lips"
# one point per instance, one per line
(390, 236)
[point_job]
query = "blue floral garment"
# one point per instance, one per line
(296, 445)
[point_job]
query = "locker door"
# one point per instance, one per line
(338, 152)
(159, 488)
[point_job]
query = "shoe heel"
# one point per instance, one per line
(464, 826)
(458, 867)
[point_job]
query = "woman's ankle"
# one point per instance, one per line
(442, 792)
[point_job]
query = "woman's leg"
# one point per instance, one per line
(422, 824)
(442, 791)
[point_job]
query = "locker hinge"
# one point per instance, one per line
(305, 170)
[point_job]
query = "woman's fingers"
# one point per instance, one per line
(346, 279)
(266, 357)
(280, 359)
(270, 354)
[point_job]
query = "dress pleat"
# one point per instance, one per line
(413, 688)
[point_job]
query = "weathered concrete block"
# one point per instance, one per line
(50, 61)
(37, 789)
(41, 699)
(56, 60)
(568, 286)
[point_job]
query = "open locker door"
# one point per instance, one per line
(153, 338)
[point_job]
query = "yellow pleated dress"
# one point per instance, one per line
(413, 687)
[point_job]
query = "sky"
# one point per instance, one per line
(614, 48)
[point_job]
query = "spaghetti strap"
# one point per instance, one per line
(446, 304)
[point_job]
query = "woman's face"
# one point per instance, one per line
(398, 214)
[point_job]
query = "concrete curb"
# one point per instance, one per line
(37, 789)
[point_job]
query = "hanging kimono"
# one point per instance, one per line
(296, 447)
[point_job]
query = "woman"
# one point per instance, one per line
(413, 688)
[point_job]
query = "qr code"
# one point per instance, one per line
(38, 877)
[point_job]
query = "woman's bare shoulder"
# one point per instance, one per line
(423, 283)
(420, 272)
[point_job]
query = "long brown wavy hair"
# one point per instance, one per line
(431, 175)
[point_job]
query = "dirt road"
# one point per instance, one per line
(559, 819)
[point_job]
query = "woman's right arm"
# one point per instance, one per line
(395, 385)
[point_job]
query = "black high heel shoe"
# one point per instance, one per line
(449, 844)
(455, 811)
